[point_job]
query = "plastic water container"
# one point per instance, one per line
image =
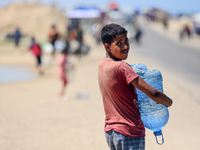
(154, 116)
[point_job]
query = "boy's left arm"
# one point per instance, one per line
(153, 93)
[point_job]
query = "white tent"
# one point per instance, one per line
(84, 12)
(196, 17)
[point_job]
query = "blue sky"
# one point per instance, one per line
(173, 6)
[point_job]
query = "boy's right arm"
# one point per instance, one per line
(153, 93)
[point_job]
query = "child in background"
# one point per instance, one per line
(37, 52)
(124, 129)
(53, 37)
(62, 68)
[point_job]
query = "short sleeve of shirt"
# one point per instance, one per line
(127, 72)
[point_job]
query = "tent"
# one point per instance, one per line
(84, 12)
(196, 17)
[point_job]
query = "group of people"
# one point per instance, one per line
(75, 38)
(62, 59)
(74, 34)
(73, 44)
(37, 50)
(124, 129)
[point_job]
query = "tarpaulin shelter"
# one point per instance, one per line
(196, 17)
(84, 12)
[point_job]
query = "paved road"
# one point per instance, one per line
(174, 56)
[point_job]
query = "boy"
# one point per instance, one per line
(117, 81)
(37, 52)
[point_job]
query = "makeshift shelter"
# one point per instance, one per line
(196, 22)
(84, 12)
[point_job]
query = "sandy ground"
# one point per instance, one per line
(33, 117)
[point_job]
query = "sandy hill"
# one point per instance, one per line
(32, 18)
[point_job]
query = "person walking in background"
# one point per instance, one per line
(96, 29)
(37, 52)
(138, 33)
(62, 71)
(165, 22)
(73, 43)
(185, 31)
(124, 129)
(52, 37)
(76, 39)
(17, 35)
(79, 38)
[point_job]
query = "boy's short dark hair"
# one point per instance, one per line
(110, 31)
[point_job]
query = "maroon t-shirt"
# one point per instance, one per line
(120, 98)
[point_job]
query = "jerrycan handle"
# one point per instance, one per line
(159, 133)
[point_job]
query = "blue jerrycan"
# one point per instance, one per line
(154, 116)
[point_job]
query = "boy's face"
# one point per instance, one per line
(119, 48)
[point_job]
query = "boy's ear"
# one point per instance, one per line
(107, 47)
